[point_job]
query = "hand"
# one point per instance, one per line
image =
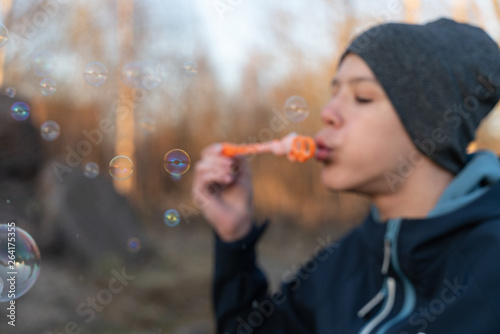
(222, 188)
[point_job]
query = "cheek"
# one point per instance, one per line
(359, 165)
(372, 140)
(372, 144)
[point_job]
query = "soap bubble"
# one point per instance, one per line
(171, 217)
(176, 162)
(142, 74)
(95, 74)
(134, 245)
(4, 35)
(50, 130)
(20, 111)
(131, 74)
(147, 125)
(48, 86)
(43, 63)
(19, 257)
(121, 167)
(91, 170)
(190, 68)
(296, 109)
(10, 91)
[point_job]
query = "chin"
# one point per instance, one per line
(338, 180)
(335, 181)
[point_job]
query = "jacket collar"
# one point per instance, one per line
(470, 199)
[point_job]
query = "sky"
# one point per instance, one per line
(234, 30)
(172, 32)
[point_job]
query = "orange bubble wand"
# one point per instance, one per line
(297, 148)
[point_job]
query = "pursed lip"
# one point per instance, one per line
(324, 153)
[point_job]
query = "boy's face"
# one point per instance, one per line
(362, 139)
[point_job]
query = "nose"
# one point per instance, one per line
(330, 115)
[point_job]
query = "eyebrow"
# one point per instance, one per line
(336, 82)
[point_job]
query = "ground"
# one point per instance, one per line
(169, 293)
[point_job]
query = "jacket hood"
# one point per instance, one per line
(470, 199)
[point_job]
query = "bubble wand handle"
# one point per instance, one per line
(297, 148)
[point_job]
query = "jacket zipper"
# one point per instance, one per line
(389, 289)
(409, 300)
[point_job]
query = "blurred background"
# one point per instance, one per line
(138, 79)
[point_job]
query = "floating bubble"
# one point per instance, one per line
(190, 68)
(20, 111)
(142, 74)
(91, 170)
(4, 35)
(121, 167)
(176, 162)
(134, 245)
(296, 109)
(10, 91)
(7, 201)
(19, 258)
(48, 86)
(147, 125)
(95, 74)
(43, 63)
(131, 74)
(171, 217)
(50, 130)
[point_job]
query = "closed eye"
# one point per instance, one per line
(362, 100)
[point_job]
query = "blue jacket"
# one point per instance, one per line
(436, 275)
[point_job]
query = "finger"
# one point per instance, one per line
(214, 149)
(207, 173)
(217, 160)
(208, 188)
(207, 178)
(213, 165)
(240, 166)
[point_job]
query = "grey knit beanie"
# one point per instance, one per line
(442, 78)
